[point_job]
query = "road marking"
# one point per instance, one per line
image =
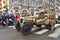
(35, 28)
(43, 26)
(41, 32)
(56, 25)
(55, 34)
(12, 27)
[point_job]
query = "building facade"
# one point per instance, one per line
(21, 5)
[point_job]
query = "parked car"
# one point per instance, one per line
(58, 19)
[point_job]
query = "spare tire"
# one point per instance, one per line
(26, 29)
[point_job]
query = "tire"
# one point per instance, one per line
(10, 23)
(49, 27)
(3, 24)
(56, 22)
(17, 26)
(26, 29)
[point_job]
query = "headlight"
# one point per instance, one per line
(33, 19)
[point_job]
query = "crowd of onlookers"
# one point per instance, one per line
(9, 19)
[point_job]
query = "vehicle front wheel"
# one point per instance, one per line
(17, 26)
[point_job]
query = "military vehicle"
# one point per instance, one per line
(42, 18)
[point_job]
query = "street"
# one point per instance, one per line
(38, 15)
(12, 34)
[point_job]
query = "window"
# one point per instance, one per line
(16, 8)
(16, 1)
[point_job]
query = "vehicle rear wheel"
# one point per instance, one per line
(48, 26)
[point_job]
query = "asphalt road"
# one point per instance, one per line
(11, 34)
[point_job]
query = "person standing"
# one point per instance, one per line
(0, 19)
(52, 19)
(18, 17)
